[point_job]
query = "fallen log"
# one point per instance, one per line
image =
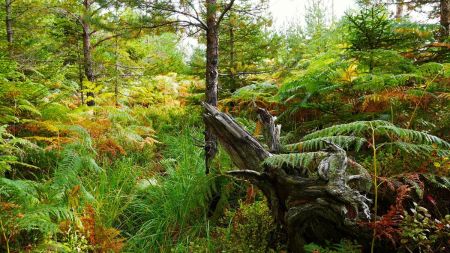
(323, 205)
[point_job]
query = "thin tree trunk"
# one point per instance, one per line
(399, 10)
(116, 81)
(8, 23)
(80, 76)
(116, 85)
(87, 52)
(212, 62)
(232, 64)
(80, 73)
(444, 18)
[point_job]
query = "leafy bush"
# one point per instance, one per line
(246, 229)
(423, 233)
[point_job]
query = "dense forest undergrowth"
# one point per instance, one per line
(102, 128)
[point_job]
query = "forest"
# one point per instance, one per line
(206, 126)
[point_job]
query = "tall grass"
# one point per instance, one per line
(173, 207)
(114, 190)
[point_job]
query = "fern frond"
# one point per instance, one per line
(421, 150)
(55, 111)
(120, 116)
(84, 137)
(19, 191)
(441, 182)
(43, 217)
(31, 221)
(297, 160)
(354, 128)
(27, 106)
(414, 136)
(319, 143)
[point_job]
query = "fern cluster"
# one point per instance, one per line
(357, 136)
(366, 77)
(27, 209)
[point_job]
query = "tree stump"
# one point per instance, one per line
(316, 206)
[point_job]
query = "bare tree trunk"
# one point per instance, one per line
(80, 76)
(399, 10)
(87, 52)
(116, 86)
(80, 73)
(116, 79)
(232, 64)
(212, 62)
(8, 23)
(271, 130)
(444, 18)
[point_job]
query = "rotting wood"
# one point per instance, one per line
(319, 208)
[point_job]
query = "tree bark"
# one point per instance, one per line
(306, 208)
(271, 131)
(445, 18)
(399, 10)
(232, 63)
(8, 23)
(80, 77)
(212, 62)
(87, 51)
(324, 203)
(116, 73)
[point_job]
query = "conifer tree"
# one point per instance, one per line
(206, 17)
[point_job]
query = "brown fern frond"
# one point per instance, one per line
(388, 226)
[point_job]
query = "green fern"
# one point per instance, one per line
(441, 182)
(354, 136)
(356, 128)
(26, 106)
(19, 191)
(12, 149)
(411, 136)
(32, 210)
(319, 143)
(296, 160)
(422, 150)
(256, 92)
(407, 140)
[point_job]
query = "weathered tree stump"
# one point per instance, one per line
(320, 206)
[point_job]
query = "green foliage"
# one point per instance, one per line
(308, 160)
(343, 246)
(371, 28)
(161, 54)
(171, 209)
(344, 141)
(114, 190)
(77, 160)
(11, 150)
(380, 128)
(357, 136)
(75, 178)
(246, 45)
(26, 210)
(421, 232)
(246, 229)
(261, 94)
(249, 228)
